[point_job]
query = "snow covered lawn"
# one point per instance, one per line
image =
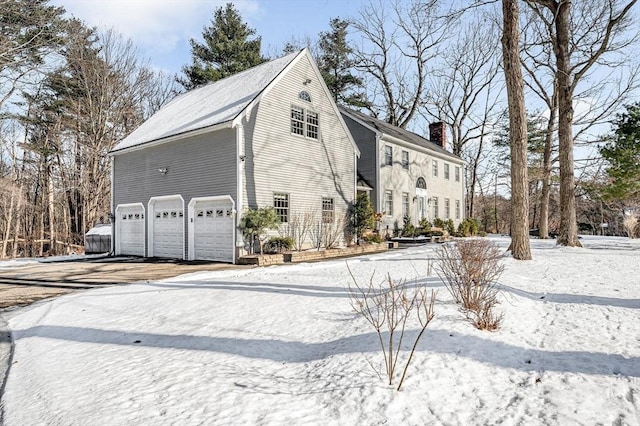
(281, 345)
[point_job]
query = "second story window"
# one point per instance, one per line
(434, 167)
(388, 155)
(405, 160)
(457, 172)
(304, 122)
(297, 120)
(446, 171)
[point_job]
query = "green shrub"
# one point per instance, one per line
(278, 244)
(468, 227)
(372, 238)
(425, 225)
(439, 223)
(450, 227)
(408, 229)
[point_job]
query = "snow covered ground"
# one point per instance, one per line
(281, 345)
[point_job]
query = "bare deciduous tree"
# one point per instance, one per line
(520, 247)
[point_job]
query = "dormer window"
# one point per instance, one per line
(304, 95)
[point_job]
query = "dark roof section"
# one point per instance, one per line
(397, 132)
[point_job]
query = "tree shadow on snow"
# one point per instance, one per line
(476, 348)
(573, 298)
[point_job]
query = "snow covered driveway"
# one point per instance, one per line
(281, 345)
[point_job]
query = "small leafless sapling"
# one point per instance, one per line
(388, 305)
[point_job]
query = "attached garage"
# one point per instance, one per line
(211, 229)
(130, 222)
(166, 227)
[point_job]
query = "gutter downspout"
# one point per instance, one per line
(112, 213)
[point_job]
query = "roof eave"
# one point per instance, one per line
(224, 125)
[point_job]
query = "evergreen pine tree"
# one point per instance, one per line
(335, 64)
(227, 49)
(622, 152)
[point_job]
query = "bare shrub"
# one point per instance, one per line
(632, 226)
(297, 228)
(332, 232)
(470, 270)
(388, 306)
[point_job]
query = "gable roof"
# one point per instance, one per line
(216, 103)
(385, 128)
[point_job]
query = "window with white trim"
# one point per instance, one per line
(405, 160)
(388, 155)
(304, 122)
(297, 120)
(388, 202)
(457, 209)
(447, 208)
(281, 204)
(457, 174)
(434, 167)
(304, 95)
(434, 203)
(312, 125)
(446, 171)
(405, 204)
(328, 207)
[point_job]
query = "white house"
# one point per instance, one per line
(268, 136)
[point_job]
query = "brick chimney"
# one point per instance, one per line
(438, 134)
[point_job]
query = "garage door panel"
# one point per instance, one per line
(130, 221)
(168, 228)
(213, 228)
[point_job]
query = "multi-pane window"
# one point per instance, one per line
(457, 174)
(447, 208)
(457, 209)
(297, 120)
(304, 95)
(304, 122)
(405, 204)
(388, 202)
(405, 160)
(281, 204)
(388, 155)
(434, 203)
(312, 125)
(446, 171)
(327, 210)
(434, 167)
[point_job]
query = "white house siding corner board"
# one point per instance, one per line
(130, 227)
(212, 229)
(166, 227)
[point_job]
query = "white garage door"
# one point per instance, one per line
(167, 238)
(213, 227)
(130, 230)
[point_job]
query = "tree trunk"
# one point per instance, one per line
(520, 248)
(543, 229)
(568, 234)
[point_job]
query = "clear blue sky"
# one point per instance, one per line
(161, 28)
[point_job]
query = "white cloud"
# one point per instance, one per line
(154, 25)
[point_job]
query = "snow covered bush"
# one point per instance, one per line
(387, 306)
(470, 270)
